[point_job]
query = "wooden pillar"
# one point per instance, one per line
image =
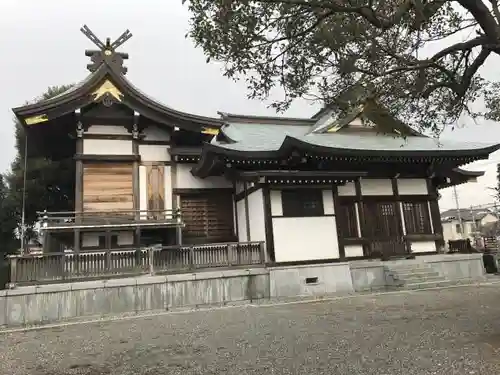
(78, 183)
(361, 211)
(437, 226)
(247, 212)
(336, 207)
(399, 212)
(235, 210)
(135, 167)
(268, 223)
(79, 171)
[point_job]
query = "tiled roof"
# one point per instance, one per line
(465, 214)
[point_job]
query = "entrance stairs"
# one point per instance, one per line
(413, 275)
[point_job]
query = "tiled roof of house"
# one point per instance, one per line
(465, 214)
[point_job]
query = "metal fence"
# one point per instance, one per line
(89, 265)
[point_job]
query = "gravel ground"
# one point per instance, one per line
(450, 331)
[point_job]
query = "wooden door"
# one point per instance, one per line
(383, 228)
(208, 217)
(156, 191)
(108, 188)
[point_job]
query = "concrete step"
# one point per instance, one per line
(418, 266)
(422, 272)
(417, 279)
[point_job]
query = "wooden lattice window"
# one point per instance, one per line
(347, 220)
(208, 217)
(417, 218)
(380, 220)
(302, 202)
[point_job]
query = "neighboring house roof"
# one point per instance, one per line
(465, 214)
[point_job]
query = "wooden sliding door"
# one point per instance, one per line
(156, 191)
(383, 228)
(108, 187)
(208, 216)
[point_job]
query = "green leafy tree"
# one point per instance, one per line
(420, 58)
(49, 181)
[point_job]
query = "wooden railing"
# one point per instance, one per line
(99, 218)
(460, 246)
(89, 265)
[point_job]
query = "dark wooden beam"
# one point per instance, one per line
(108, 158)
(336, 207)
(437, 225)
(114, 137)
(247, 212)
(361, 210)
(268, 222)
(135, 167)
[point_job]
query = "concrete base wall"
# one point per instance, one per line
(313, 280)
(368, 275)
(62, 302)
(59, 302)
(459, 266)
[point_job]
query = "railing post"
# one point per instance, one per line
(229, 250)
(151, 260)
(262, 252)
(13, 272)
(191, 257)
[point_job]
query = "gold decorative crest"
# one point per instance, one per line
(36, 119)
(107, 88)
(210, 131)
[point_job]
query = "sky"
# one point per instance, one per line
(41, 46)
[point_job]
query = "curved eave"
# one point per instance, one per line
(291, 143)
(461, 176)
(82, 95)
(211, 154)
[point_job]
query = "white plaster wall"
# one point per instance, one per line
(185, 180)
(256, 217)
(108, 129)
(423, 246)
(308, 238)
(240, 214)
(154, 133)
(276, 207)
(328, 205)
(92, 239)
(154, 153)
(107, 147)
(125, 238)
(412, 186)
(376, 186)
(347, 189)
(353, 251)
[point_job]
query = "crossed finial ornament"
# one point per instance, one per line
(107, 51)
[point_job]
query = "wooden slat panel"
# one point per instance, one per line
(208, 217)
(107, 187)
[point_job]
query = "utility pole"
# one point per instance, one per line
(459, 216)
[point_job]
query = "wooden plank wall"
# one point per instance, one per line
(107, 187)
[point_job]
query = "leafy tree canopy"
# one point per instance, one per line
(49, 183)
(420, 58)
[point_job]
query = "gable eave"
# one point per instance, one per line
(83, 94)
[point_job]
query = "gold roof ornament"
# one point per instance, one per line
(36, 119)
(107, 88)
(210, 131)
